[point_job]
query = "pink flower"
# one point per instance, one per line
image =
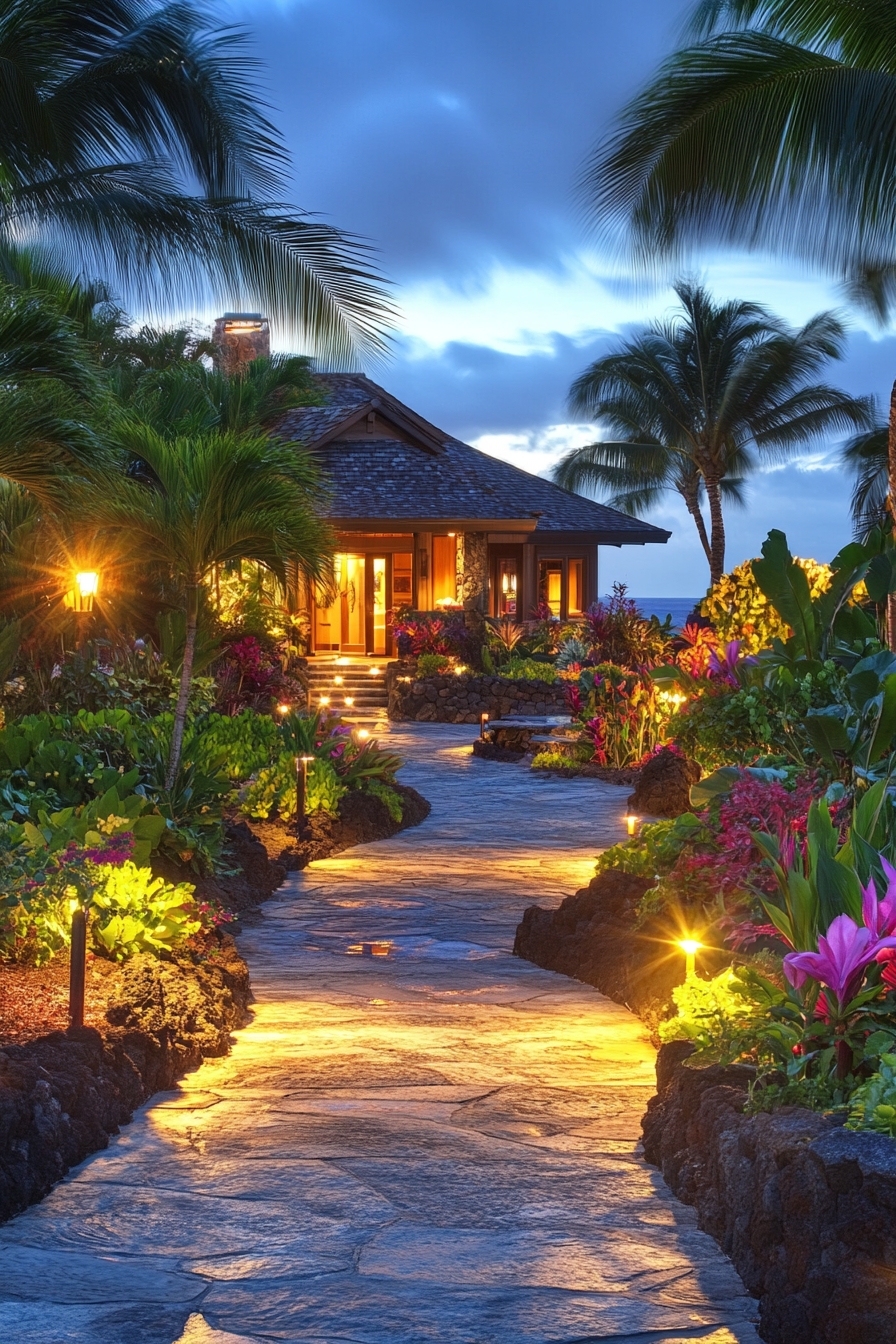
(843, 953)
(880, 916)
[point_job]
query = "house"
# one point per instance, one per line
(425, 521)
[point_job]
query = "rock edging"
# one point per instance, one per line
(62, 1096)
(454, 699)
(804, 1208)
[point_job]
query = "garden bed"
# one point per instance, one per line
(591, 937)
(362, 817)
(804, 1208)
(64, 1094)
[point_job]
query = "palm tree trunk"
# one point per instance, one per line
(691, 499)
(183, 694)
(891, 500)
(717, 531)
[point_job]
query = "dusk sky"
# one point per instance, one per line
(451, 135)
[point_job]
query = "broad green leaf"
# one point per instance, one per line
(785, 585)
(716, 785)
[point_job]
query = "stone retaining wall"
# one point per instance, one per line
(453, 699)
(62, 1096)
(804, 1208)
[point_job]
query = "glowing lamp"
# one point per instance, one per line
(85, 590)
(631, 823)
(283, 709)
(374, 671)
(363, 734)
(349, 701)
(325, 699)
(337, 681)
(342, 662)
(690, 947)
(302, 763)
(483, 720)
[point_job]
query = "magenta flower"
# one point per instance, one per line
(880, 916)
(725, 667)
(840, 962)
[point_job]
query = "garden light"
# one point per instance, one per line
(325, 699)
(337, 681)
(85, 589)
(77, 973)
(483, 720)
(374, 671)
(632, 824)
(349, 701)
(302, 763)
(690, 947)
(283, 709)
(363, 734)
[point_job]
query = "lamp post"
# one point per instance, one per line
(77, 973)
(632, 824)
(690, 947)
(483, 720)
(302, 763)
(283, 710)
(85, 589)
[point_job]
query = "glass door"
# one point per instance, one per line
(339, 627)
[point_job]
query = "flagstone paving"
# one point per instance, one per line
(419, 1139)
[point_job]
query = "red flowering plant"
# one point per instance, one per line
(250, 674)
(621, 712)
(419, 633)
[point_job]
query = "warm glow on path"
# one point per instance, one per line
(418, 1138)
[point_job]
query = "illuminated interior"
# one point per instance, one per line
(550, 585)
(444, 570)
(508, 604)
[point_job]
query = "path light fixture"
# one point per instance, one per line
(349, 701)
(87, 584)
(337, 681)
(302, 763)
(362, 734)
(632, 823)
(690, 947)
(283, 710)
(375, 671)
(324, 699)
(483, 720)
(77, 972)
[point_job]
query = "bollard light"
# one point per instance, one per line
(690, 947)
(483, 720)
(284, 709)
(632, 824)
(77, 973)
(302, 763)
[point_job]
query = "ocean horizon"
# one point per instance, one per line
(679, 608)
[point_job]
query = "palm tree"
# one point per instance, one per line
(134, 147)
(774, 129)
(204, 500)
(699, 400)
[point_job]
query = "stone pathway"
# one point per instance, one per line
(418, 1140)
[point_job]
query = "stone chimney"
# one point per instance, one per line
(239, 338)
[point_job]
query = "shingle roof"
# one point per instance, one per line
(390, 479)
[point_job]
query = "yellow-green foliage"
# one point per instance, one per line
(273, 792)
(132, 911)
(714, 1014)
(739, 610)
(553, 760)
(648, 853)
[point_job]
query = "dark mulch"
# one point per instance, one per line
(34, 1000)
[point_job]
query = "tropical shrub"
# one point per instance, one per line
(273, 792)
(719, 1016)
(622, 713)
(554, 760)
(419, 632)
(128, 909)
(431, 664)
(245, 742)
(529, 669)
(250, 674)
(616, 631)
(873, 1104)
(389, 797)
(739, 609)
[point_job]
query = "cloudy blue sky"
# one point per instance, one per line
(450, 133)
